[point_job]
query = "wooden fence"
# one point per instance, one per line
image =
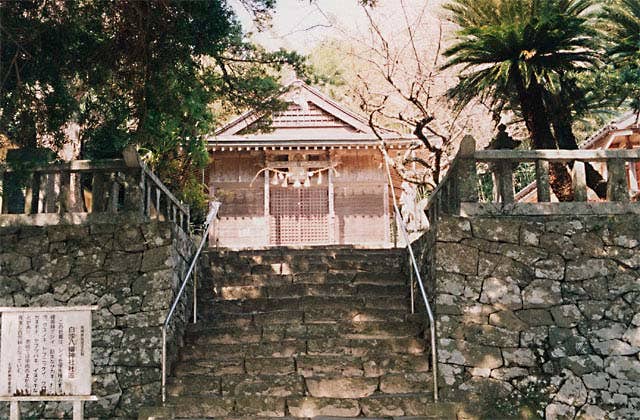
(86, 187)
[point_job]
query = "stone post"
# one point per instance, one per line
(98, 203)
(503, 177)
(542, 181)
(134, 181)
(579, 181)
(64, 196)
(617, 188)
(466, 176)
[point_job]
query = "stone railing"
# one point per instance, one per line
(457, 193)
(536, 303)
(82, 190)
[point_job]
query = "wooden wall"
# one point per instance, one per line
(359, 197)
(361, 201)
(241, 223)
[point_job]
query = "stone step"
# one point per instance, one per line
(235, 277)
(305, 289)
(369, 366)
(237, 385)
(263, 262)
(418, 406)
(307, 366)
(309, 316)
(211, 407)
(278, 332)
(209, 319)
(293, 264)
(292, 348)
(337, 387)
(319, 253)
(338, 303)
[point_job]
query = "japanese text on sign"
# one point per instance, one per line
(45, 352)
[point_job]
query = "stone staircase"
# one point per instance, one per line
(300, 333)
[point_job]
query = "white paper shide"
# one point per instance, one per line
(45, 353)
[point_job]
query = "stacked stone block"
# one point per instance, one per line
(540, 315)
(130, 271)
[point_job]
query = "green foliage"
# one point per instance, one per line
(537, 57)
(622, 25)
(528, 56)
(144, 73)
(511, 46)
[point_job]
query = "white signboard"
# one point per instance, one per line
(45, 351)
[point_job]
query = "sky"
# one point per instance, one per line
(300, 25)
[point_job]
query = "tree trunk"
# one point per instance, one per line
(561, 120)
(535, 117)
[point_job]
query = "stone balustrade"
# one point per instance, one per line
(86, 190)
(536, 303)
(457, 194)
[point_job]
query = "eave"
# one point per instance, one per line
(312, 142)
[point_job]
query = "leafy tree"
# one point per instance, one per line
(525, 55)
(622, 19)
(132, 72)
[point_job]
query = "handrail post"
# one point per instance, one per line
(2, 190)
(190, 272)
(164, 363)
(195, 296)
(402, 228)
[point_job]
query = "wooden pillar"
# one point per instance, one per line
(78, 410)
(333, 238)
(147, 193)
(267, 200)
(14, 410)
(133, 194)
(53, 192)
(158, 211)
(76, 199)
(114, 195)
(387, 220)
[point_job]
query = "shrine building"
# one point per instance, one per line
(317, 178)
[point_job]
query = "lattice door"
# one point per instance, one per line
(299, 216)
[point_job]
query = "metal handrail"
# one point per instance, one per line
(215, 206)
(414, 263)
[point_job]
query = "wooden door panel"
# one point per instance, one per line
(299, 216)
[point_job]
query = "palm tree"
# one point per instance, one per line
(623, 26)
(517, 53)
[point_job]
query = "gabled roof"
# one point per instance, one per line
(312, 119)
(626, 122)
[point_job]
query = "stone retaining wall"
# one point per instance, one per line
(539, 315)
(131, 271)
